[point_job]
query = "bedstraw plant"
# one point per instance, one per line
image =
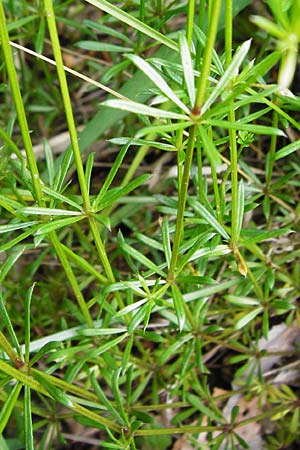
(147, 267)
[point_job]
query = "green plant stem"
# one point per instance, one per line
(72, 279)
(212, 32)
(190, 22)
(232, 133)
(76, 151)
(8, 349)
(182, 203)
(228, 31)
(14, 85)
(66, 101)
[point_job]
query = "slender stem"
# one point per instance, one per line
(232, 133)
(14, 85)
(190, 21)
(72, 279)
(7, 348)
(32, 163)
(182, 202)
(67, 101)
(228, 31)
(211, 37)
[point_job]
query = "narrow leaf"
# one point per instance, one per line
(178, 302)
(131, 251)
(102, 47)
(49, 211)
(28, 419)
(230, 73)
(210, 219)
(240, 208)
(112, 173)
(247, 318)
(187, 67)
(210, 148)
(16, 226)
(256, 129)
(56, 224)
(158, 80)
(287, 150)
(139, 108)
(133, 22)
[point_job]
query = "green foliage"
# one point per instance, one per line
(142, 283)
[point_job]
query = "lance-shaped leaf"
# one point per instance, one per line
(187, 67)
(209, 218)
(158, 80)
(139, 108)
(229, 74)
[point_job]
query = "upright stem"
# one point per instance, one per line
(190, 21)
(67, 101)
(232, 133)
(212, 32)
(32, 163)
(182, 202)
(211, 37)
(14, 86)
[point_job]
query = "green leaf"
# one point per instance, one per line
(57, 394)
(139, 142)
(287, 150)
(256, 129)
(241, 301)
(56, 224)
(107, 30)
(166, 240)
(187, 67)
(27, 321)
(130, 308)
(209, 218)
(62, 198)
(104, 400)
(196, 401)
(101, 331)
(29, 444)
(49, 162)
(142, 259)
(133, 22)
(139, 108)
(102, 47)
(210, 148)
(229, 75)
(88, 171)
(178, 302)
(115, 194)
(241, 323)
(240, 208)
(8, 406)
(158, 80)
(34, 210)
(16, 226)
(112, 173)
